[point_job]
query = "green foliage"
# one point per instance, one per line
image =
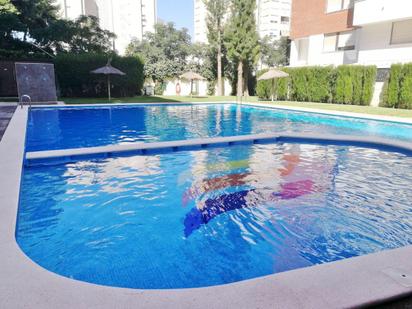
(274, 52)
(164, 52)
(354, 84)
(299, 85)
(369, 78)
(216, 10)
(75, 80)
(241, 40)
(263, 87)
(405, 94)
(282, 87)
(344, 84)
(241, 37)
(397, 90)
(211, 85)
(42, 32)
(394, 85)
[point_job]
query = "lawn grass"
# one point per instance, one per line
(370, 110)
(152, 99)
(175, 99)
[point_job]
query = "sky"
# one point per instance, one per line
(178, 11)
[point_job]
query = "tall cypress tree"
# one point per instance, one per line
(241, 39)
(215, 27)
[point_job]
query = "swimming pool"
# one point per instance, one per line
(76, 127)
(213, 216)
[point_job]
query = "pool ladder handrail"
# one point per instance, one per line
(21, 100)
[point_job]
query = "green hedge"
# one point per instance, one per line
(344, 84)
(398, 89)
(75, 80)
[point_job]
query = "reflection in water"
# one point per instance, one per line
(266, 183)
(269, 208)
(86, 127)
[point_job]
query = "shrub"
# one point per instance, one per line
(346, 84)
(318, 84)
(263, 87)
(368, 86)
(405, 91)
(394, 85)
(299, 85)
(75, 80)
(398, 88)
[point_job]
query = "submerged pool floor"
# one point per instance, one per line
(208, 217)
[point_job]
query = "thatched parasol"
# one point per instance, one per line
(108, 70)
(191, 76)
(272, 74)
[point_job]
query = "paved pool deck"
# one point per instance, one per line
(6, 113)
(359, 281)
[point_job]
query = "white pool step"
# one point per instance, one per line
(145, 148)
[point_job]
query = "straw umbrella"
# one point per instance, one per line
(272, 74)
(108, 70)
(191, 76)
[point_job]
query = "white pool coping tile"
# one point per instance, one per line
(348, 283)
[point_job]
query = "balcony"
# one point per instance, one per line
(377, 11)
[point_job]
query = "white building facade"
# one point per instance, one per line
(272, 19)
(378, 32)
(128, 19)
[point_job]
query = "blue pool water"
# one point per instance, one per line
(61, 128)
(213, 216)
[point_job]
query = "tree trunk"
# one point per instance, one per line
(219, 69)
(239, 91)
(246, 80)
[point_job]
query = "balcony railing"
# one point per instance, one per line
(376, 11)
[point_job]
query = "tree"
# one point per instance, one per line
(274, 52)
(164, 52)
(241, 40)
(32, 27)
(215, 30)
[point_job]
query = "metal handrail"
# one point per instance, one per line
(27, 97)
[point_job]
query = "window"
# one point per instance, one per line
(339, 41)
(329, 42)
(338, 5)
(346, 40)
(303, 47)
(284, 19)
(401, 32)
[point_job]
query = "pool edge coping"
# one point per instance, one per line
(267, 105)
(346, 283)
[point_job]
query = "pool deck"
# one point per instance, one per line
(353, 282)
(6, 113)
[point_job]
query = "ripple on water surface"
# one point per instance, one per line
(208, 217)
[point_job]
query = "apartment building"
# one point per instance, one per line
(128, 19)
(367, 32)
(272, 19)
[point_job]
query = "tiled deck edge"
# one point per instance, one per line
(347, 283)
(256, 104)
(331, 112)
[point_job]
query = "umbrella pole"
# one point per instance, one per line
(191, 88)
(273, 89)
(108, 87)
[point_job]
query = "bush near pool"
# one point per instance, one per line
(75, 80)
(345, 84)
(398, 88)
